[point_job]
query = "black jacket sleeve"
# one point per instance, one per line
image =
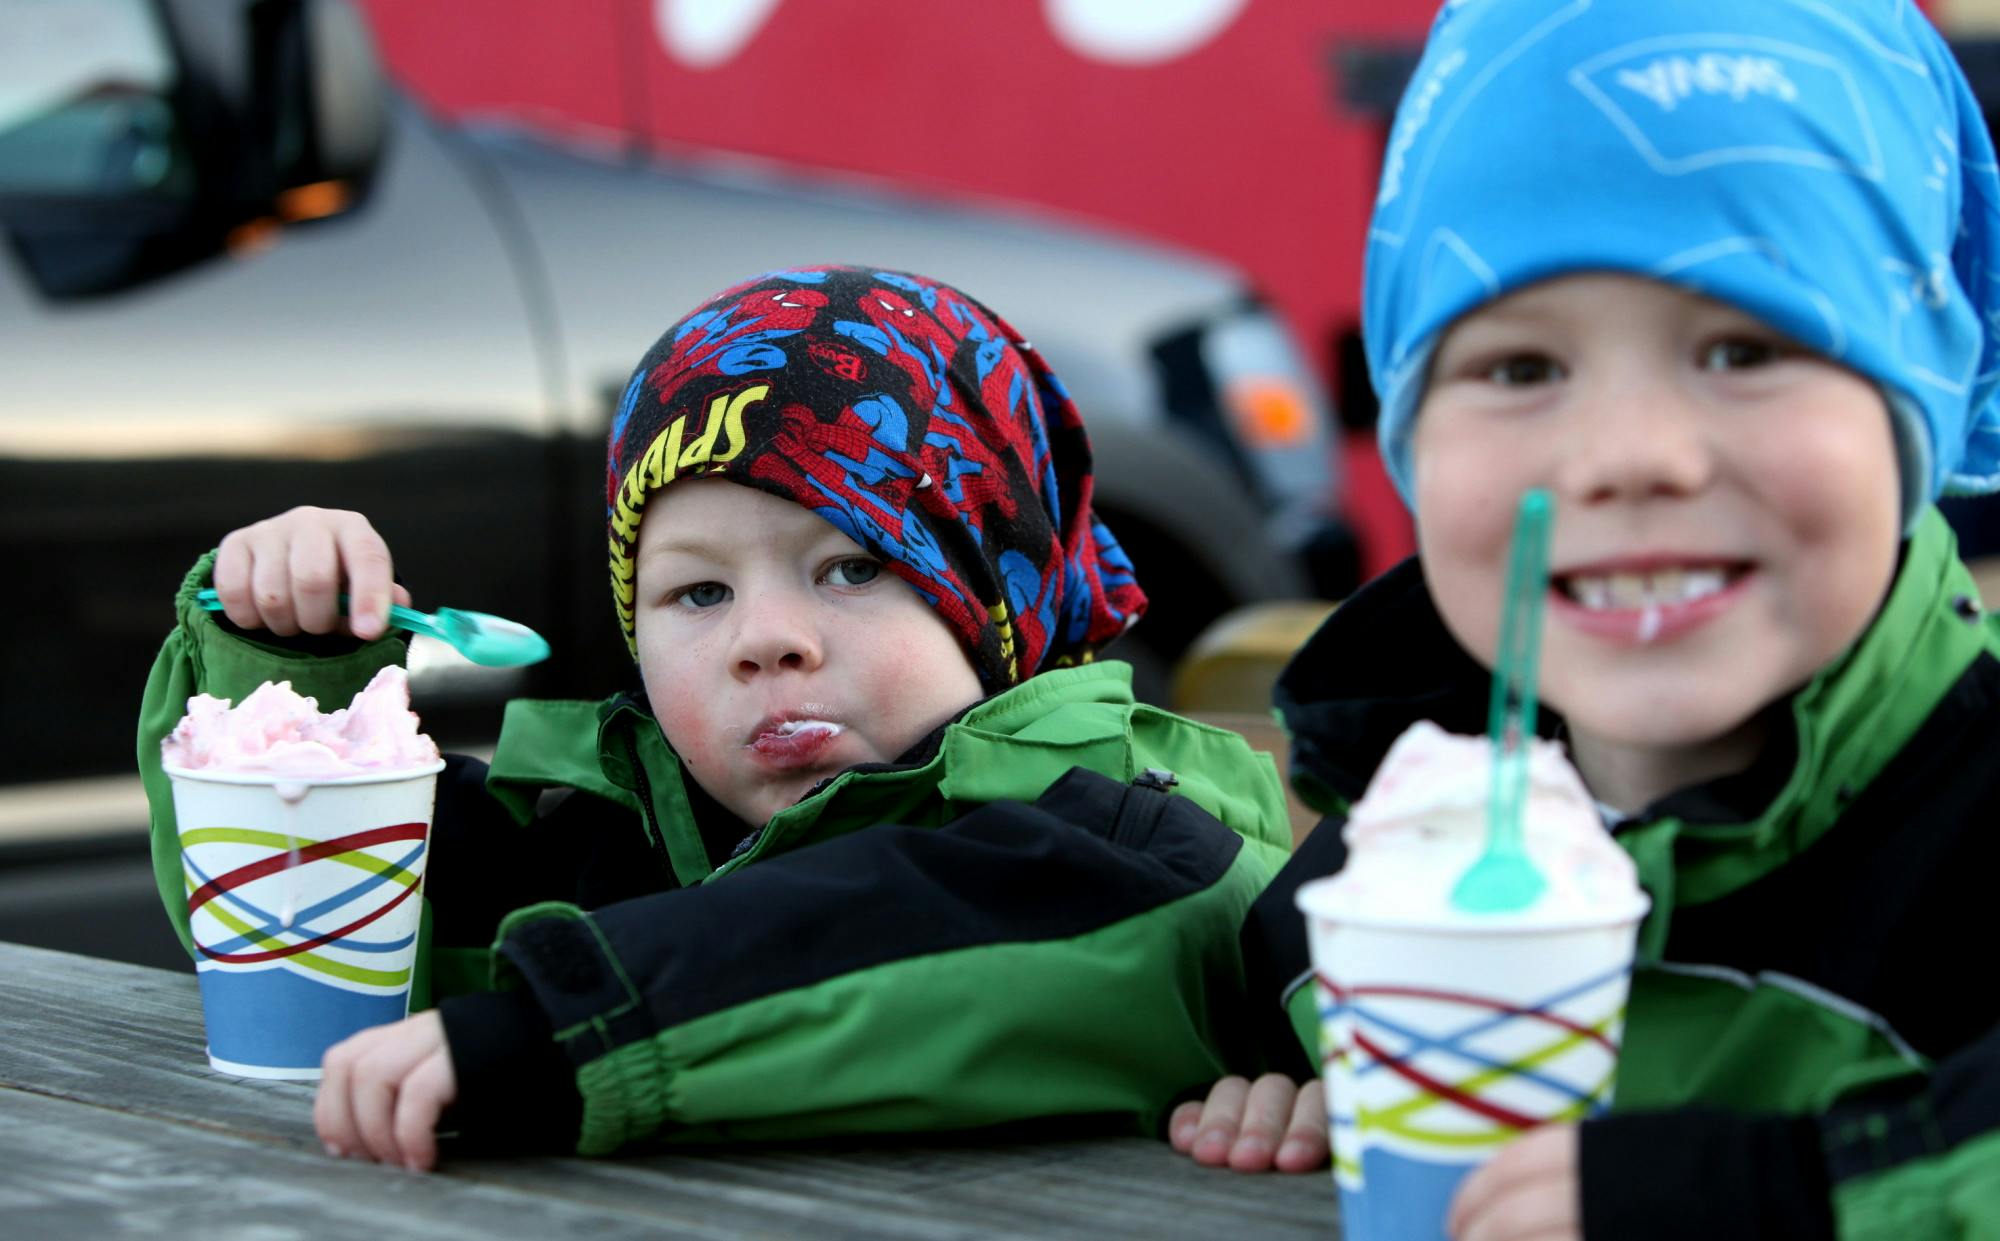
(1708, 1174)
(1924, 1152)
(1059, 957)
(516, 1089)
(1277, 961)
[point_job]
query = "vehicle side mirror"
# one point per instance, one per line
(342, 100)
(170, 131)
(294, 93)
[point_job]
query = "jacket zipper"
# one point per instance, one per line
(645, 792)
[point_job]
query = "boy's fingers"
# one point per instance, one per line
(1221, 1113)
(370, 575)
(271, 582)
(332, 1117)
(1535, 1210)
(1306, 1143)
(1476, 1193)
(232, 580)
(315, 573)
(373, 1097)
(419, 1103)
(1265, 1110)
(1184, 1124)
(1543, 1159)
(387, 1057)
(360, 1080)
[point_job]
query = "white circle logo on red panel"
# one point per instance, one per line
(704, 34)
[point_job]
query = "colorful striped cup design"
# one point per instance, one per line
(1441, 1044)
(304, 903)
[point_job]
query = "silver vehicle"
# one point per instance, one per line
(242, 273)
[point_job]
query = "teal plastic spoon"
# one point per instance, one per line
(1504, 878)
(482, 638)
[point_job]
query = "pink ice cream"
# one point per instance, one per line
(278, 732)
(1422, 822)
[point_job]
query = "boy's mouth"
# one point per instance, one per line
(1656, 599)
(792, 739)
(1632, 589)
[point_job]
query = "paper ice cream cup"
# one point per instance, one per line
(1441, 1041)
(304, 902)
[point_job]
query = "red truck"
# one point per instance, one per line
(1249, 131)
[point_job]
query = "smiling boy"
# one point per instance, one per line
(1720, 277)
(879, 846)
(1728, 509)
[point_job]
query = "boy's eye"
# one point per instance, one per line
(853, 571)
(1738, 353)
(1521, 369)
(700, 595)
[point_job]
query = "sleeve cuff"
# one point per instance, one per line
(300, 645)
(516, 1089)
(1714, 1175)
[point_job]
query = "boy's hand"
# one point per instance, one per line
(286, 574)
(1527, 1192)
(1252, 1127)
(381, 1093)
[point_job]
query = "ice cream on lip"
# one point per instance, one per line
(278, 732)
(1422, 822)
(794, 737)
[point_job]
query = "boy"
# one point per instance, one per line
(853, 553)
(1717, 275)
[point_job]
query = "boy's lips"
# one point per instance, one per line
(794, 738)
(1649, 598)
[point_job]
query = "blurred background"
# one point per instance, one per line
(400, 255)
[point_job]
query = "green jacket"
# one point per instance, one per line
(1002, 926)
(1812, 1041)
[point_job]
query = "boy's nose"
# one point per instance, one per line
(1633, 443)
(772, 635)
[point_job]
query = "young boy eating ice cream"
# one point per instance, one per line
(1720, 277)
(878, 846)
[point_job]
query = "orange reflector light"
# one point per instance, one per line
(313, 202)
(1270, 412)
(252, 236)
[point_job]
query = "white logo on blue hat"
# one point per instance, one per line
(1695, 101)
(1668, 80)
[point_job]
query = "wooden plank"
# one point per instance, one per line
(124, 1046)
(131, 1037)
(1099, 1187)
(72, 1170)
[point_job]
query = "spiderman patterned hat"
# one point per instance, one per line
(1819, 164)
(911, 418)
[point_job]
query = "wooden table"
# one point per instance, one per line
(112, 1125)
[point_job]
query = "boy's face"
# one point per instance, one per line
(776, 652)
(1727, 515)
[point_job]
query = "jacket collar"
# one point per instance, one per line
(1382, 661)
(633, 754)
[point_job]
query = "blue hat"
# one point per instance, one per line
(1820, 164)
